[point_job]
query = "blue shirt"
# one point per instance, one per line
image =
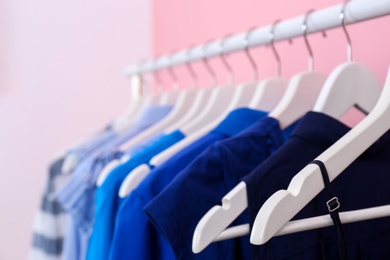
(108, 202)
(135, 237)
(78, 195)
(179, 207)
(364, 184)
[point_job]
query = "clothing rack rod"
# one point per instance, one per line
(306, 224)
(356, 11)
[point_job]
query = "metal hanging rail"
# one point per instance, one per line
(325, 19)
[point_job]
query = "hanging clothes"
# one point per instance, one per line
(107, 201)
(132, 227)
(50, 220)
(78, 194)
(177, 209)
(363, 184)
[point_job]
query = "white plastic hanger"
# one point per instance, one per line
(138, 174)
(182, 106)
(267, 93)
(220, 100)
(161, 98)
(302, 91)
(200, 100)
(141, 102)
(125, 121)
(168, 97)
(350, 84)
(255, 94)
(285, 204)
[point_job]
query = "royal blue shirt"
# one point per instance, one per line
(135, 237)
(364, 184)
(108, 201)
(179, 207)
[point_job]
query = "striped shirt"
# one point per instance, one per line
(50, 219)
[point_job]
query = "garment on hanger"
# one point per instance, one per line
(81, 151)
(125, 156)
(78, 194)
(205, 181)
(107, 200)
(50, 219)
(363, 184)
(48, 235)
(134, 235)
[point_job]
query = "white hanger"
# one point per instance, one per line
(125, 121)
(200, 100)
(271, 89)
(138, 174)
(127, 185)
(300, 97)
(350, 84)
(220, 100)
(285, 204)
(267, 93)
(183, 105)
(142, 101)
(308, 182)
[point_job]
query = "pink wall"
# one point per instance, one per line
(61, 79)
(179, 24)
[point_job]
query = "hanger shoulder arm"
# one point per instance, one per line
(133, 179)
(218, 218)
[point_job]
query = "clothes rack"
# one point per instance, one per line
(356, 11)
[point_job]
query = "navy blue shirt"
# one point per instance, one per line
(365, 183)
(177, 209)
(135, 237)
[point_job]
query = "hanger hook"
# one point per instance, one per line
(206, 63)
(191, 69)
(224, 60)
(304, 29)
(271, 36)
(172, 73)
(141, 75)
(248, 54)
(157, 77)
(349, 44)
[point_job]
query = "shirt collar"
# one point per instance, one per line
(238, 120)
(324, 131)
(320, 129)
